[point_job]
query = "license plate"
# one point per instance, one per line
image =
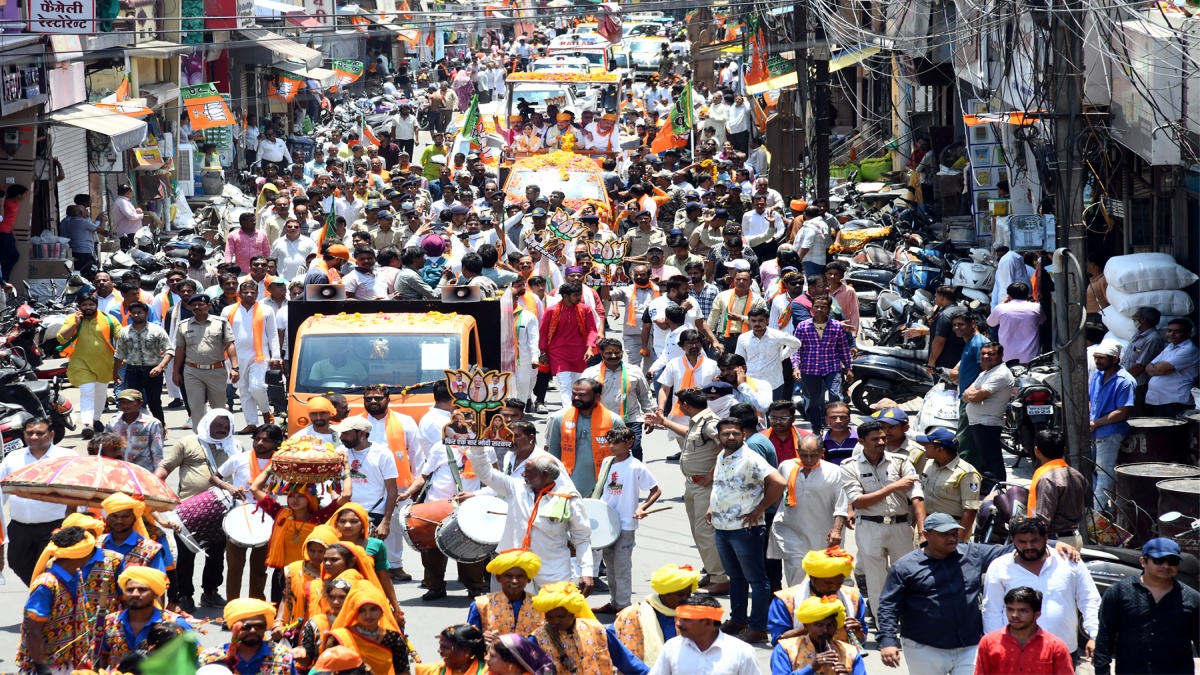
(14, 444)
(1039, 410)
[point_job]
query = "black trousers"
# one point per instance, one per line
(740, 140)
(211, 578)
(407, 146)
(541, 385)
(85, 264)
(139, 377)
(25, 545)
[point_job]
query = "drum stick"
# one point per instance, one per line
(661, 508)
(497, 513)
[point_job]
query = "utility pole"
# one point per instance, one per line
(1070, 281)
(801, 107)
(821, 111)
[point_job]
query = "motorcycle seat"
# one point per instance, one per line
(38, 388)
(896, 352)
(1188, 565)
(47, 373)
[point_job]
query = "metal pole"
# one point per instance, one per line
(802, 158)
(821, 113)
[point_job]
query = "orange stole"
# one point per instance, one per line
(399, 447)
(602, 423)
(257, 321)
(297, 592)
(373, 654)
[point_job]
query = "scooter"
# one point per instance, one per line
(939, 410)
(975, 277)
(1036, 406)
(888, 372)
(1110, 564)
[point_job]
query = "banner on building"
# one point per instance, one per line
(74, 17)
(206, 109)
(286, 87)
(347, 72)
(764, 70)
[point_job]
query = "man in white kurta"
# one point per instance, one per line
(692, 370)
(813, 511)
(256, 350)
(379, 413)
(525, 333)
(552, 529)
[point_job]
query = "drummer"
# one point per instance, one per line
(127, 535)
(241, 470)
(320, 413)
(448, 473)
(509, 610)
(297, 577)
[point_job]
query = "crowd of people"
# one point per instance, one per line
(734, 338)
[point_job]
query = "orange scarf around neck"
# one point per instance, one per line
(602, 423)
(689, 381)
(1037, 475)
(631, 309)
(399, 447)
(257, 321)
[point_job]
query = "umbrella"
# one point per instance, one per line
(87, 481)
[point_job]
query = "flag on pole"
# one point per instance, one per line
(472, 125)
(206, 109)
(123, 89)
(369, 136)
(347, 72)
(330, 229)
(286, 88)
(678, 127)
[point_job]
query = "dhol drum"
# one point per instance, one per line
(201, 516)
(248, 526)
(471, 533)
(421, 522)
(605, 523)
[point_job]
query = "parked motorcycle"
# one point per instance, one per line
(939, 409)
(1110, 564)
(888, 372)
(1006, 501)
(1037, 405)
(974, 277)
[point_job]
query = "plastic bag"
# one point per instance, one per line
(1142, 272)
(1175, 303)
(183, 213)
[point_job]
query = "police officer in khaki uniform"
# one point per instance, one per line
(895, 425)
(697, 460)
(202, 344)
(950, 484)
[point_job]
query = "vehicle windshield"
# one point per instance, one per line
(347, 363)
(645, 45)
(621, 60)
(594, 58)
(539, 96)
(558, 66)
(575, 187)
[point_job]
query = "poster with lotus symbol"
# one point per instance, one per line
(608, 258)
(478, 395)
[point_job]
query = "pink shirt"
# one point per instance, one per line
(241, 247)
(125, 216)
(847, 299)
(1018, 321)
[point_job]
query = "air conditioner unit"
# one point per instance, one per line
(185, 170)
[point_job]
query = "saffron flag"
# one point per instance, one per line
(347, 72)
(369, 136)
(123, 89)
(675, 132)
(757, 43)
(286, 87)
(206, 109)
(330, 229)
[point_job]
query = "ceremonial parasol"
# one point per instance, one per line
(87, 481)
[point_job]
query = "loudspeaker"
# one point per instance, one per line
(324, 292)
(458, 294)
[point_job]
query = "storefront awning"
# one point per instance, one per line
(124, 132)
(159, 49)
(161, 93)
(325, 76)
(851, 56)
(283, 48)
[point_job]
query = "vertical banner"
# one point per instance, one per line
(206, 108)
(608, 23)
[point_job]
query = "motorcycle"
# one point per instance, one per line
(888, 372)
(1110, 564)
(974, 277)
(1037, 405)
(1005, 502)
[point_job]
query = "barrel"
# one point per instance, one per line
(1182, 495)
(1193, 420)
(1155, 439)
(1138, 495)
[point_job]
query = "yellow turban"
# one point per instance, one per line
(828, 563)
(83, 549)
(503, 562)
(563, 594)
(86, 521)
(675, 578)
(148, 576)
(120, 501)
(563, 117)
(240, 609)
(814, 609)
(322, 404)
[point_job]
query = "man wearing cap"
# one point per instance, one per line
(143, 590)
(950, 484)
(202, 344)
(143, 434)
(327, 270)
(818, 649)
(55, 632)
(1110, 398)
(509, 610)
(127, 534)
(701, 646)
(895, 428)
(573, 638)
(645, 235)
(1150, 623)
(248, 652)
(644, 627)
(882, 487)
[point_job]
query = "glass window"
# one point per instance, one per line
(347, 363)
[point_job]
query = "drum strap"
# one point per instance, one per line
(602, 476)
(453, 464)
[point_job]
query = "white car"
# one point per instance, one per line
(567, 96)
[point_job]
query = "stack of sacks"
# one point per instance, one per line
(1144, 280)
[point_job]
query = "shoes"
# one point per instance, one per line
(476, 592)
(247, 430)
(175, 404)
(541, 409)
(715, 589)
(751, 636)
(607, 608)
(187, 424)
(399, 574)
(705, 580)
(674, 457)
(732, 628)
(433, 594)
(600, 586)
(87, 433)
(98, 426)
(212, 599)
(187, 605)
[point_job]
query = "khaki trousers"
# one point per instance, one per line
(205, 389)
(879, 546)
(695, 500)
(235, 561)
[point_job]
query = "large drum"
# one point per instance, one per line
(605, 523)
(1155, 439)
(1138, 495)
(201, 516)
(248, 526)
(471, 533)
(1182, 495)
(421, 522)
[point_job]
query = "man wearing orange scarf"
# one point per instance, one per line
(400, 434)
(1058, 493)
(578, 435)
(257, 343)
(813, 512)
(635, 299)
(567, 338)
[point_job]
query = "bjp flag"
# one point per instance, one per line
(206, 108)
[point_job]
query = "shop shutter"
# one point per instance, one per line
(69, 146)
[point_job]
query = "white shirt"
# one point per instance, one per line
(658, 307)
(755, 224)
(243, 332)
(527, 339)
(272, 151)
(432, 423)
(727, 655)
(309, 431)
(820, 498)
(31, 511)
(369, 468)
(292, 256)
(623, 486)
(739, 118)
(1067, 591)
(764, 356)
(549, 538)
(412, 440)
(362, 285)
(440, 478)
(404, 128)
(1175, 387)
(779, 304)
(814, 236)
(236, 469)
